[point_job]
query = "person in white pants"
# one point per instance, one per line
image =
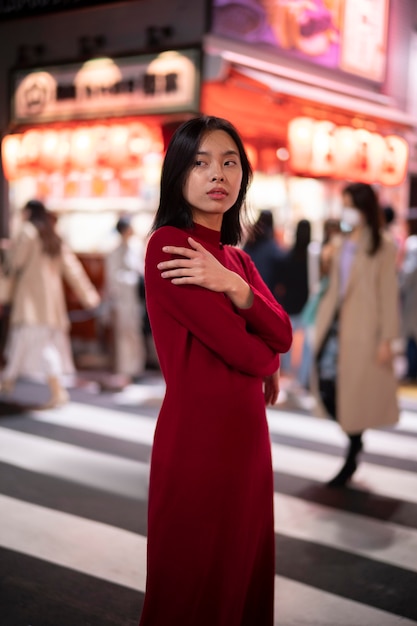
(123, 269)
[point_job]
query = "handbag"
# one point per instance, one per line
(327, 360)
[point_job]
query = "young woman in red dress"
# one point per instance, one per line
(218, 332)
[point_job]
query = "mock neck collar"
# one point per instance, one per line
(206, 234)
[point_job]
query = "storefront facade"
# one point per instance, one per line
(304, 87)
(320, 95)
(88, 139)
(90, 97)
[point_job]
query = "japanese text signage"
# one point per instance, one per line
(149, 84)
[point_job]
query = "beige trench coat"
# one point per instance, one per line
(38, 297)
(366, 391)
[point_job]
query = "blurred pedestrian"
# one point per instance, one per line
(218, 332)
(264, 250)
(293, 295)
(408, 284)
(389, 221)
(38, 342)
(319, 255)
(357, 321)
(124, 269)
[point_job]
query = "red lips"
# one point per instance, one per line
(217, 192)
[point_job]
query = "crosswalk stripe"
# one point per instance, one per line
(393, 483)
(40, 455)
(119, 557)
(326, 431)
(113, 554)
(121, 476)
(108, 422)
(87, 467)
(306, 451)
(381, 541)
(297, 604)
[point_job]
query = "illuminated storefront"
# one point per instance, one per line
(89, 139)
(303, 84)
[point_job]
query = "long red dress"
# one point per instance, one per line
(210, 520)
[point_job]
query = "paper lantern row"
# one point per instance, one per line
(320, 148)
(117, 146)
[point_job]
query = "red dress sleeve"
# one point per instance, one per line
(265, 317)
(246, 340)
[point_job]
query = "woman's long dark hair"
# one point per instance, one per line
(365, 199)
(173, 208)
(44, 222)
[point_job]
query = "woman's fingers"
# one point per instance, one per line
(196, 245)
(187, 252)
(194, 265)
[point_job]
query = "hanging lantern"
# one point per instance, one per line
(139, 142)
(31, 148)
(376, 149)
(48, 150)
(322, 158)
(118, 145)
(300, 136)
(63, 150)
(367, 161)
(395, 159)
(102, 144)
(344, 151)
(82, 149)
(10, 152)
(361, 164)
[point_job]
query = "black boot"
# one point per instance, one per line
(349, 468)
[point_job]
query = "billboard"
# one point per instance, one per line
(346, 35)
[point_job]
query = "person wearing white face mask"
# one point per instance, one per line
(357, 321)
(351, 218)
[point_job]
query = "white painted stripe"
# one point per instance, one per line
(141, 393)
(119, 557)
(87, 467)
(108, 422)
(328, 432)
(130, 478)
(80, 544)
(297, 604)
(383, 481)
(373, 539)
(408, 421)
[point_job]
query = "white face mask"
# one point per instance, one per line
(351, 218)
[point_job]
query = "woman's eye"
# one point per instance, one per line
(229, 163)
(199, 163)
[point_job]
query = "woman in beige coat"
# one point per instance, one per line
(38, 343)
(357, 321)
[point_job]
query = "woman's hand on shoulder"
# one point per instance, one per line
(197, 266)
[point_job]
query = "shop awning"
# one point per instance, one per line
(321, 140)
(282, 87)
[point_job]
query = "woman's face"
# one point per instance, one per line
(214, 181)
